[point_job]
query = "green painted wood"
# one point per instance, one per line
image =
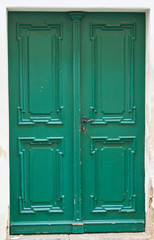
(112, 93)
(77, 224)
(41, 122)
(63, 66)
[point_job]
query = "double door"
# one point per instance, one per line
(76, 99)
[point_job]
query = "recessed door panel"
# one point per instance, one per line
(112, 49)
(40, 74)
(41, 175)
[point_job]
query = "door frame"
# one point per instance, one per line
(5, 109)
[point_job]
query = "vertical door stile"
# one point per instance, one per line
(77, 225)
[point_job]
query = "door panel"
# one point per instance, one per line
(40, 62)
(112, 93)
(40, 72)
(63, 66)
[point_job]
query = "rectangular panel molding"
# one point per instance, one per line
(41, 175)
(112, 73)
(40, 73)
(112, 191)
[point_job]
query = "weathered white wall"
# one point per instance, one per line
(69, 5)
(4, 136)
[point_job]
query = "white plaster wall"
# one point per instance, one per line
(68, 5)
(4, 137)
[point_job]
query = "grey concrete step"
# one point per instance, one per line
(104, 236)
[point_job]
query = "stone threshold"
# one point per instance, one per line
(101, 236)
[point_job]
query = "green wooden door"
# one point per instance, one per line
(41, 162)
(67, 176)
(112, 93)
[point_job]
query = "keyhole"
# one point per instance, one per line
(84, 129)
